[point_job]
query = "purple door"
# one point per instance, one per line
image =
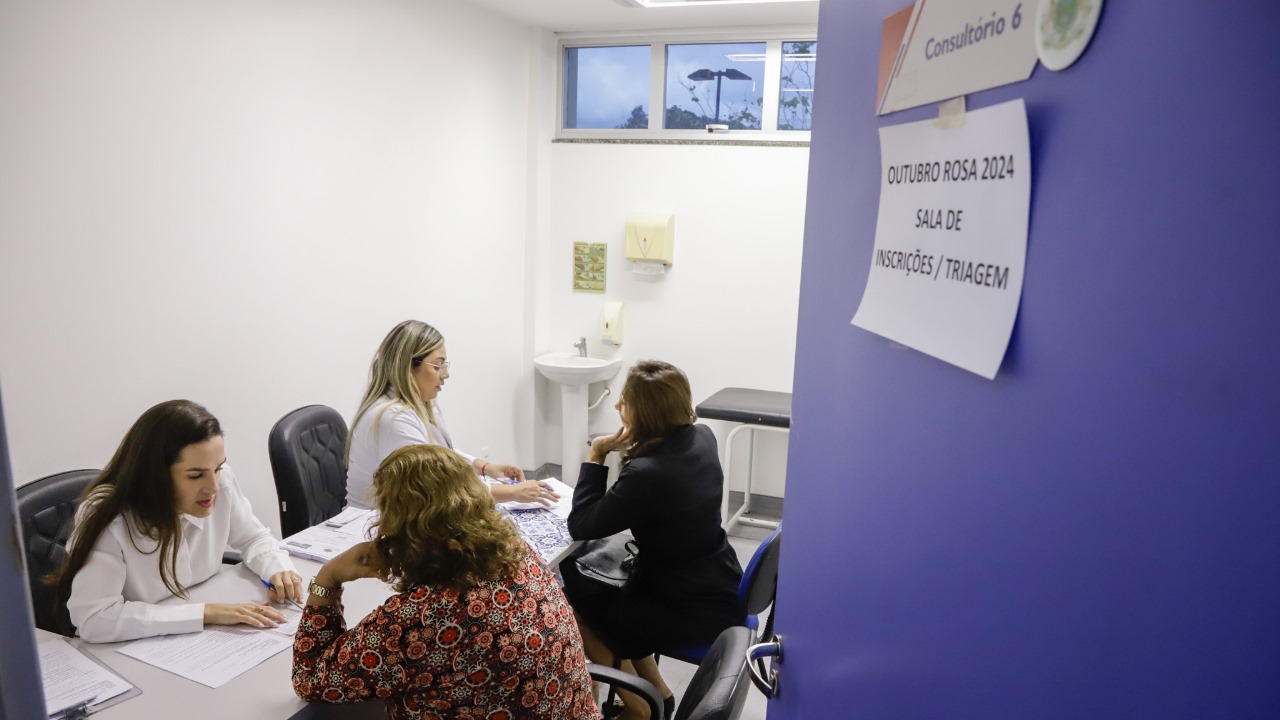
(1096, 533)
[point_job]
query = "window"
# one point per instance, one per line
(746, 88)
(714, 84)
(795, 99)
(606, 87)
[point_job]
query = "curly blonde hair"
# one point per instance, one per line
(437, 523)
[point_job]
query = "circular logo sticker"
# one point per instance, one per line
(1063, 30)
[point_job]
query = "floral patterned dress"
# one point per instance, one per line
(501, 650)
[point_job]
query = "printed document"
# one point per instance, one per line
(561, 508)
(326, 541)
(347, 515)
(211, 657)
(292, 617)
(70, 677)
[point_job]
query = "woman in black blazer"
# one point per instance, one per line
(683, 588)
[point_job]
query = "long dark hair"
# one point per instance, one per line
(137, 485)
(658, 401)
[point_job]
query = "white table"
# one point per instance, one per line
(263, 693)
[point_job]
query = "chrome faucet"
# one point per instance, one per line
(582, 347)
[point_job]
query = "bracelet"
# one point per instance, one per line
(482, 467)
(319, 590)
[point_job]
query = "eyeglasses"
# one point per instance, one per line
(442, 368)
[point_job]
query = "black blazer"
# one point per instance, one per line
(670, 501)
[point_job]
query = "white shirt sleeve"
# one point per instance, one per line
(100, 612)
(400, 428)
(396, 426)
(406, 429)
(259, 550)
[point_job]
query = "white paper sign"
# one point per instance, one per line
(951, 237)
(940, 50)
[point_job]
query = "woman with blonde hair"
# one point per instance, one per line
(399, 408)
(683, 586)
(479, 627)
(155, 522)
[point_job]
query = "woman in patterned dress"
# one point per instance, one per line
(478, 627)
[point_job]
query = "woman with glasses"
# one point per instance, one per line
(683, 588)
(399, 408)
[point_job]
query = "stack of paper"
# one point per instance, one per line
(72, 678)
(541, 526)
(561, 507)
(347, 516)
(326, 541)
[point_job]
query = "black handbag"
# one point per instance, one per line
(607, 560)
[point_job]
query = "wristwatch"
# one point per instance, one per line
(321, 591)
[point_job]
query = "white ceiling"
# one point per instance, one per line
(610, 16)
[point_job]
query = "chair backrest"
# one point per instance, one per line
(760, 578)
(306, 448)
(47, 513)
(718, 689)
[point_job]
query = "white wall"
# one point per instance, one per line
(232, 201)
(726, 310)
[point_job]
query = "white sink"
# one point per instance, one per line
(574, 373)
(569, 368)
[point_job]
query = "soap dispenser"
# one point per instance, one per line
(611, 324)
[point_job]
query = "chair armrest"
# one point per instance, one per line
(631, 683)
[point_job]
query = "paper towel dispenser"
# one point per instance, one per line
(650, 237)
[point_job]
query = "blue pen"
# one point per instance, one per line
(269, 586)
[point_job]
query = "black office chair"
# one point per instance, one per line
(618, 679)
(377, 710)
(306, 459)
(47, 512)
(718, 690)
(756, 592)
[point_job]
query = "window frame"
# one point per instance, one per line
(772, 37)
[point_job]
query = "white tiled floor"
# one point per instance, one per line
(677, 674)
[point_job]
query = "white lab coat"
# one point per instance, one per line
(397, 427)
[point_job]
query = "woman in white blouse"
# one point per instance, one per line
(399, 408)
(155, 522)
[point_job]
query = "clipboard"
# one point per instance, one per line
(85, 708)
